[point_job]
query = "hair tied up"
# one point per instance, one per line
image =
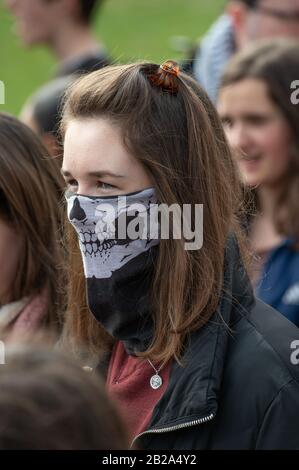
(166, 77)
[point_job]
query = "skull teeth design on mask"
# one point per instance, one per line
(102, 250)
(91, 245)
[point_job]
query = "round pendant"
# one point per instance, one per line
(156, 381)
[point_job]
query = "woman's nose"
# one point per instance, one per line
(239, 138)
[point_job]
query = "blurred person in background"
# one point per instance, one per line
(47, 402)
(243, 21)
(262, 126)
(64, 26)
(31, 255)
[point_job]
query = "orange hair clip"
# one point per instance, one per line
(166, 76)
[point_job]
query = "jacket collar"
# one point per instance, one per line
(193, 389)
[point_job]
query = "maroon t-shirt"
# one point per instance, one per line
(128, 385)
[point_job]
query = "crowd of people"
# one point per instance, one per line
(118, 341)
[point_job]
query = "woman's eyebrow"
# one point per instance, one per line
(225, 117)
(99, 174)
(64, 172)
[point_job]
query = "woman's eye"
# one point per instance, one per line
(227, 122)
(105, 186)
(259, 120)
(72, 183)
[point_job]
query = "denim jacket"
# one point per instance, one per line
(279, 282)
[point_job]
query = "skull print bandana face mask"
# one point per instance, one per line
(118, 238)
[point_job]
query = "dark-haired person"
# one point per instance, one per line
(262, 126)
(64, 26)
(31, 256)
(191, 357)
(47, 402)
(243, 21)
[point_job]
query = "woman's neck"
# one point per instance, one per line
(73, 41)
(267, 197)
(263, 234)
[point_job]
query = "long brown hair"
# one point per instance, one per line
(276, 62)
(48, 402)
(180, 141)
(30, 194)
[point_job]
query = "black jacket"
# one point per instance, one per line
(238, 388)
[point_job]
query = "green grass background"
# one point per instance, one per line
(131, 30)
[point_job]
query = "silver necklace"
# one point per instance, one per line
(156, 380)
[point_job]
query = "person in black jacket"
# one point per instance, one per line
(64, 26)
(191, 357)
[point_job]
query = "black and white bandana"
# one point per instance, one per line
(118, 239)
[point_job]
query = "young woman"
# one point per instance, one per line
(31, 258)
(262, 125)
(177, 332)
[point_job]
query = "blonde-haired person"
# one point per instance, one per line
(192, 359)
(262, 125)
(47, 402)
(31, 254)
